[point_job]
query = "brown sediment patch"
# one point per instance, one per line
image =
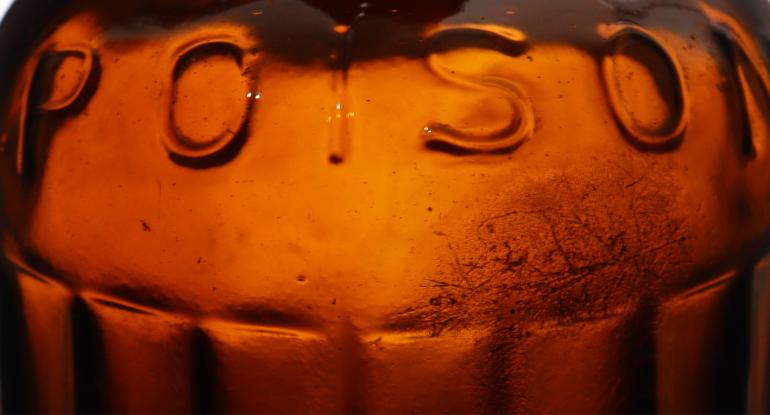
(572, 246)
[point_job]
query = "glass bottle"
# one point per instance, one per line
(388, 206)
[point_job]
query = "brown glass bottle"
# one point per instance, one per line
(318, 206)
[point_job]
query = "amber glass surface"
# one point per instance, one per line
(391, 206)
